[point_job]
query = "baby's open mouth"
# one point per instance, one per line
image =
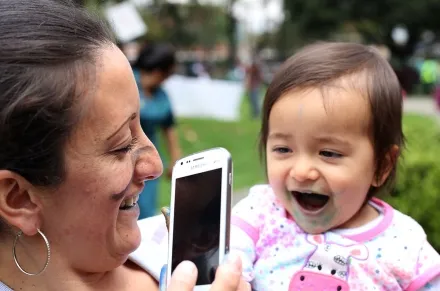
(311, 201)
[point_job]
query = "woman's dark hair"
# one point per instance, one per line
(321, 65)
(48, 53)
(156, 57)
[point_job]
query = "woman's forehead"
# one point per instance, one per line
(116, 97)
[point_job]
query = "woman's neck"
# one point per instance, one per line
(58, 276)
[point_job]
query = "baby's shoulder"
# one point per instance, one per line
(405, 227)
(258, 206)
(401, 242)
(259, 199)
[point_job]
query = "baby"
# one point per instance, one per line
(331, 136)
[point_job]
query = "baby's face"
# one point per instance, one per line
(320, 157)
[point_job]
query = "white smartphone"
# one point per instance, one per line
(200, 213)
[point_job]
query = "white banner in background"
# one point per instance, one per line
(204, 97)
(126, 21)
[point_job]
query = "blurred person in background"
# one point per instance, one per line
(155, 63)
(253, 83)
(437, 96)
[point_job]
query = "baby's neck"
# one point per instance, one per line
(365, 215)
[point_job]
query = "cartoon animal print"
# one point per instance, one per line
(327, 269)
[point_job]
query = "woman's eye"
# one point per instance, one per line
(127, 148)
(330, 154)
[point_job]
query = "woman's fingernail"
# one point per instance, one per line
(234, 261)
(186, 268)
(166, 211)
(163, 278)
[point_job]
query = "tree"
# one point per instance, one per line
(186, 25)
(231, 33)
(373, 19)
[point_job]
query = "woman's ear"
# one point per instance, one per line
(390, 161)
(18, 208)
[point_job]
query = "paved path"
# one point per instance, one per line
(418, 105)
(421, 105)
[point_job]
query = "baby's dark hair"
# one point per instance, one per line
(323, 64)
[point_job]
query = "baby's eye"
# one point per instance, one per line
(330, 154)
(282, 150)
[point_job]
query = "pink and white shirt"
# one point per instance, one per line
(390, 253)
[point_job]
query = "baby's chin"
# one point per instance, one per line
(310, 228)
(313, 230)
(310, 225)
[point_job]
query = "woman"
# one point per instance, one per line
(154, 65)
(73, 158)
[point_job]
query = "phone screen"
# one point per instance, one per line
(196, 231)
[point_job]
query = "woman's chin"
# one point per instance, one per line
(128, 239)
(120, 245)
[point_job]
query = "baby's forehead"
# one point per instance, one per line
(346, 105)
(333, 108)
(347, 100)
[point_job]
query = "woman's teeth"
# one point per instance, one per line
(129, 202)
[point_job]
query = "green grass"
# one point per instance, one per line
(239, 138)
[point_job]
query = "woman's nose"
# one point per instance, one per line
(149, 164)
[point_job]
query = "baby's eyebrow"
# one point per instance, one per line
(280, 135)
(332, 140)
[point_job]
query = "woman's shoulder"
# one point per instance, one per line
(138, 278)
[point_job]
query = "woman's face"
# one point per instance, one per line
(108, 158)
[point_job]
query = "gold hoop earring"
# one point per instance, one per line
(17, 237)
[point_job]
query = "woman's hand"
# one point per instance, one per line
(227, 278)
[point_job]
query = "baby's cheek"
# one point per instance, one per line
(275, 179)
